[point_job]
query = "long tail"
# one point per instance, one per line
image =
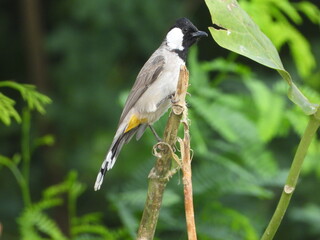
(114, 151)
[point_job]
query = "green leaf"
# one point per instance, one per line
(87, 229)
(29, 93)
(34, 221)
(240, 34)
(46, 140)
(281, 15)
(12, 165)
(62, 187)
(289, 9)
(296, 96)
(125, 214)
(89, 218)
(309, 215)
(310, 10)
(214, 113)
(241, 226)
(197, 137)
(270, 107)
(235, 180)
(236, 31)
(7, 110)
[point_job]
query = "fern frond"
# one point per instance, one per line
(12, 165)
(91, 218)
(280, 15)
(219, 175)
(126, 215)
(87, 229)
(7, 110)
(62, 187)
(226, 121)
(308, 214)
(34, 224)
(270, 106)
(229, 224)
(309, 9)
(34, 99)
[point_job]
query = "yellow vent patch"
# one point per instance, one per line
(134, 122)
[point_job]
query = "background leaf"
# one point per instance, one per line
(237, 32)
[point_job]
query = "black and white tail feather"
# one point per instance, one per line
(115, 148)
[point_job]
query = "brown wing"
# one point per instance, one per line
(147, 75)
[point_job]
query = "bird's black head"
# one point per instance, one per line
(183, 35)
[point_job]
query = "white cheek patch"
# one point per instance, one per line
(175, 39)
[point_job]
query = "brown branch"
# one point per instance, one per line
(187, 183)
(160, 173)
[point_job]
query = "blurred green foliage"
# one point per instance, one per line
(238, 33)
(244, 130)
(276, 23)
(34, 222)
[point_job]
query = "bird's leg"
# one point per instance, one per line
(155, 133)
(174, 99)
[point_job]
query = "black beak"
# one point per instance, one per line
(199, 34)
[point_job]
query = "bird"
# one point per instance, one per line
(152, 93)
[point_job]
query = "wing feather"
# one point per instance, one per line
(147, 75)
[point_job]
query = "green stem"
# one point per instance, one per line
(72, 205)
(25, 146)
(25, 193)
(313, 125)
(18, 176)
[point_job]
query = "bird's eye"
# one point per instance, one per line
(185, 30)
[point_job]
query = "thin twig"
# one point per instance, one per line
(187, 182)
(293, 176)
(158, 176)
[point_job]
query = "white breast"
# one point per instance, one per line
(155, 102)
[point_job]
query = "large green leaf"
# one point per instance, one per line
(235, 30)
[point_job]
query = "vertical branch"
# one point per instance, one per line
(293, 176)
(187, 182)
(159, 175)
